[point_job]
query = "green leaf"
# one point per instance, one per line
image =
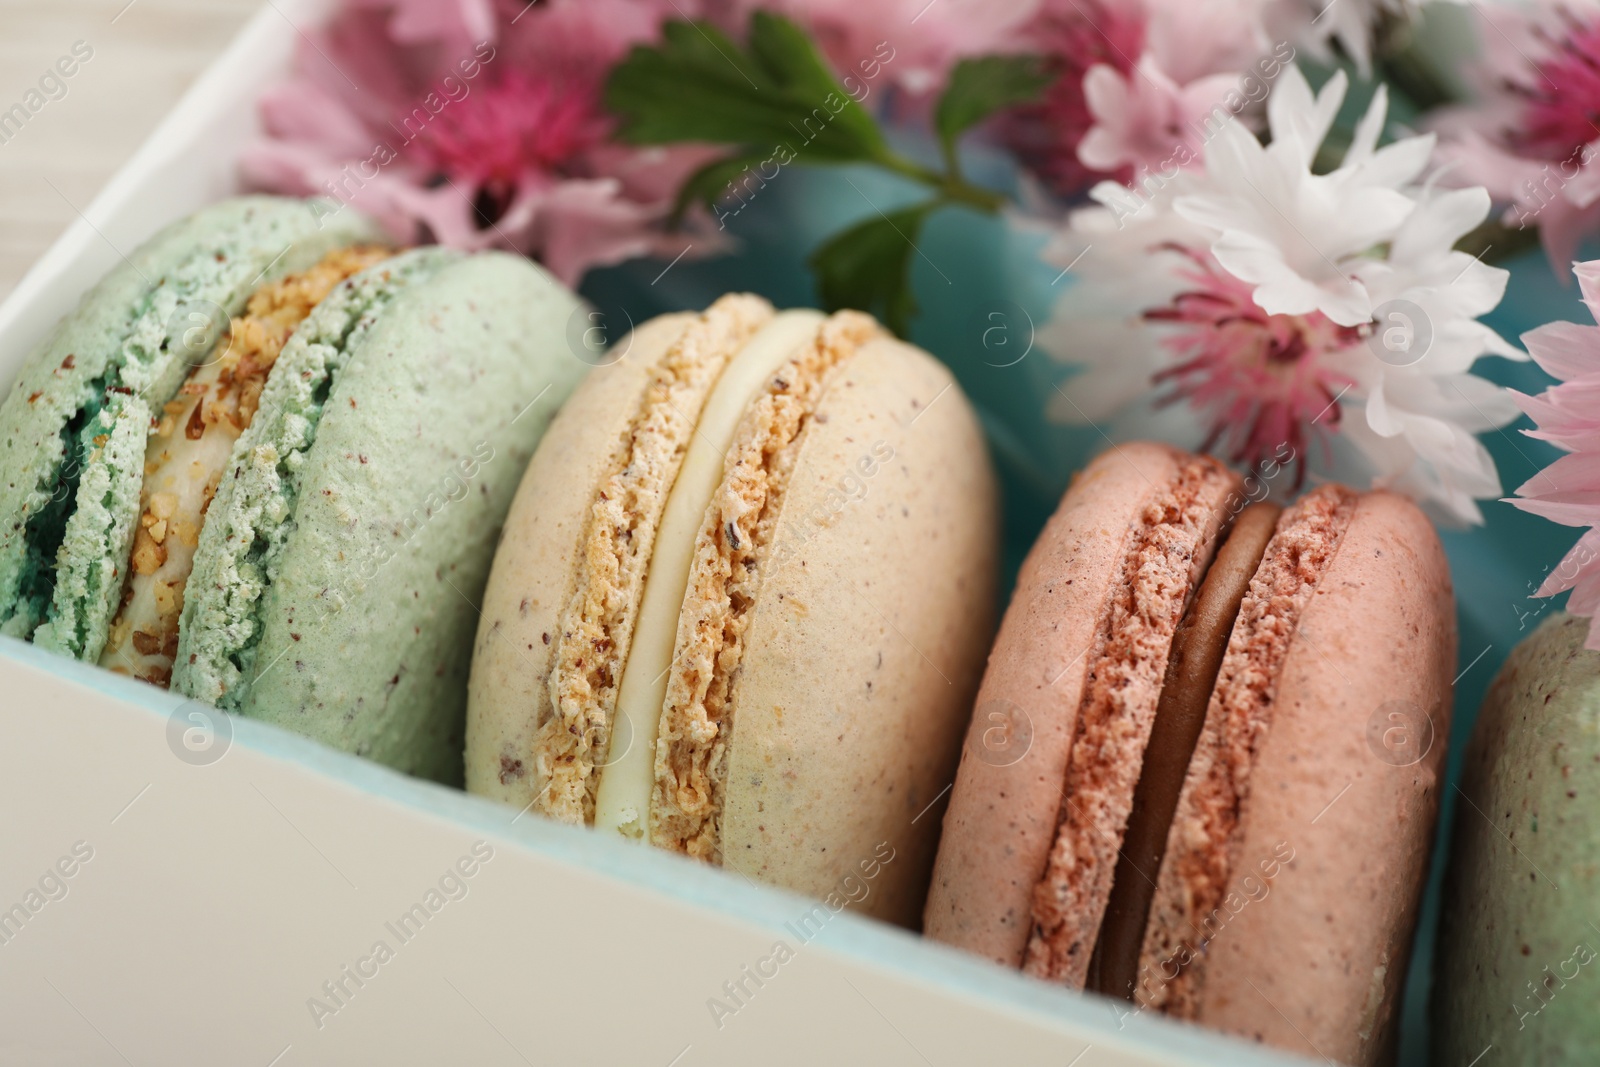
(698, 84)
(868, 266)
(982, 86)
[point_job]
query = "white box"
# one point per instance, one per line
(216, 900)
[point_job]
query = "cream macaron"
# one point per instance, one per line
(704, 629)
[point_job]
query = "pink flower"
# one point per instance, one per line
(583, 38)
(1568, 416)
(519, 126)
(418, 21)
(1140, 85)
(494, 145)
(1144, 120)
(1192, 40)
(1075, 39)
(1530, 137)
(1261, 381)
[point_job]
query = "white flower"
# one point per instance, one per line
(1300, 237)
(1285, 306)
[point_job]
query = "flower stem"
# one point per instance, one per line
(949, 184)
(952, 157)
(1495, 242)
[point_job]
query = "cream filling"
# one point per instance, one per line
(189, 450)
(181, 474)
(622, 800)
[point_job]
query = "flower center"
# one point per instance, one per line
(515, 128)
(1263, 381)
(1561, 112)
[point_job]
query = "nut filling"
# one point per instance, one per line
(189, 448)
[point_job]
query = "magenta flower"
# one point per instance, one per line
(502, 143)
(1075, 39)
(1568, 416)
(516, 130)
(1530, 136)
(1140, 86)
(1559, 110)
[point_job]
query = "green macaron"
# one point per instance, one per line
(1518, 963)
(72, 430)
(359, 429)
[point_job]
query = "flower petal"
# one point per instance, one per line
(1588, 275)
(1299, 121)
(1365, 138)
(1565, 350)
(1439, 221)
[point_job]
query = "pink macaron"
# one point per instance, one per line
(1202, 775)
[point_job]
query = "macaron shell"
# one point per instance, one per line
(1166, 557)
(1313, 959)
(537, 564)
(251, 514)
(858, 671)
(1006, 804)
(434, 415)
(49, 391)
(1518, 942)
(93, 558)
(213, 259)
(630, 507)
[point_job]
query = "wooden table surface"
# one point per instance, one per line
(142, 56)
